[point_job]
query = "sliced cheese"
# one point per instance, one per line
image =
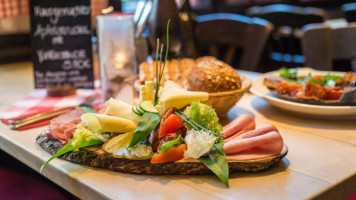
(121, 109)
(106, 123)
(147, 92)
(174, 96)
(150, 90)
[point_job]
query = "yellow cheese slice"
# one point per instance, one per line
(106, 123)
(150, 90)
(121, 109)
(147, 92)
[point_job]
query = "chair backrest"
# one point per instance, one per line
(321, 44)
(249, 34)
(288, 15)
(349, 10)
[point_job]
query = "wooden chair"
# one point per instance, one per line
(284, 46)
(322, 44)
(234, 31)
(349, 10)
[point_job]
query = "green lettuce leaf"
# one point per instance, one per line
(217, 163)
(205, 116)
(83, 133)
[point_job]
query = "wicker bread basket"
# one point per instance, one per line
(224, 101)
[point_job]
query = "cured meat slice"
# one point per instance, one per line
(68, 133)
(62, 127)
(260, 131)
(70, 117)
(254, 147)
(242, 122)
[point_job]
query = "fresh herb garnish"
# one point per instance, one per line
(327, 80)
(194, 124)
(330, 80)
(292, 76)
(145, 126)
(160, 69)
(70, 147)
(149, 121)
(289, 73)
(217, 163)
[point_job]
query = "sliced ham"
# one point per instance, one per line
(68, 133)
(62, 127)
(250, 133)
(242, 122)
(235, 135)
(254, 146)
(260, 131)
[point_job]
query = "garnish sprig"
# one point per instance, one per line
(193, 124)
(160, 69)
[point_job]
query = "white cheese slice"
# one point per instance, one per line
(174, 96)
(121, 109)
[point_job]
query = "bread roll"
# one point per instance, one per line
(205, 59)
(214, 76)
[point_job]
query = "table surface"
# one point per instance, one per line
(320, 164)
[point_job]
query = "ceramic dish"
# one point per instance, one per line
(302, 109)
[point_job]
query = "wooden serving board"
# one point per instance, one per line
(96, 157)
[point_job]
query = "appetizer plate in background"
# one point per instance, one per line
(302, 109)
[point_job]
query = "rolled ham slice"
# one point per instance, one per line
(254, 145)
(262, 130)
(235, 135)
(240, 123)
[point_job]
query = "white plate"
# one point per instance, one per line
(301, 109)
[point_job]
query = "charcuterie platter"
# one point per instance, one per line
(167, 129)
(183, 138)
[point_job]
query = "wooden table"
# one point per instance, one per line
(321, 162)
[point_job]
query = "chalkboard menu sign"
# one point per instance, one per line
(61, 43)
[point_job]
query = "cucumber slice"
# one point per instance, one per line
(139, 109)
(134, 109)
(148, 107)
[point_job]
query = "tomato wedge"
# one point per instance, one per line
(172, 154)
(172, 123)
